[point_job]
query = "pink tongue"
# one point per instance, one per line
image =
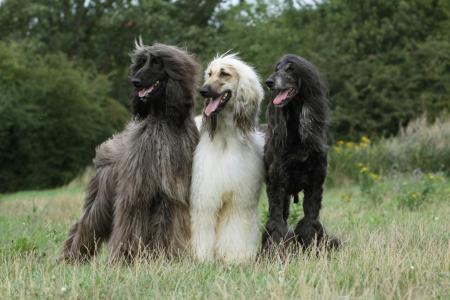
(145, 92)
(212, 106)
(142, 93)
(281, 97)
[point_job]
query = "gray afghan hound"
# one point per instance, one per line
(138, 199)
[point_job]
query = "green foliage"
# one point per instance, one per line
(102, 33)
(386, 63)
(417, 191)
(367, 182)
(53, 115)
(403, 191)
(23, 245)
(419, 146)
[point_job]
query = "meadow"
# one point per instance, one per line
(394, 224)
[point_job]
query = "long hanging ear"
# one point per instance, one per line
(249, 95)
(306, 118)
(313, 121)
(178, 105)
(306, 124)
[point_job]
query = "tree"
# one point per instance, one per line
(53, 115)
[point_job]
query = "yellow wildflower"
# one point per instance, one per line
(365, 140)
(431, 176)
(345, 197)
(364, 169)
(374, 176)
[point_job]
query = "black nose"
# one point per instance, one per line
(136, 82)
(270, 83)
(205, 90)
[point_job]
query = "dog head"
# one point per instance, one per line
(162, 75)
(231, 87)
(148, 75)
(293, 76)
(298, 89)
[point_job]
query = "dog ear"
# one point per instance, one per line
(313, 121)
(178, 105)
(305, 126)
(249, 95)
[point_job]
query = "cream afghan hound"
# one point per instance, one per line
(228, 168)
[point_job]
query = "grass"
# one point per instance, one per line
(419, 146)
(391, 251)
(388, 200)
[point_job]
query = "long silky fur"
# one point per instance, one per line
(246, 108)
(138, 200)
(310, 105)
(228, 172)
(295, 156)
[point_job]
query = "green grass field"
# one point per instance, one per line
(395, 247)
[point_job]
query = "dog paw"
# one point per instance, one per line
(332, 243)
(62, 258)
(72, 258)
(309, 232)
(275, 233)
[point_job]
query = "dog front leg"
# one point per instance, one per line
(309, 229)
(203, 230)
(237, 230)
(94, 227)
(126, 240)
(276, 228)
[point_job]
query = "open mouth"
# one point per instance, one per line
(283, 95)
(216, 104)
(146, 91)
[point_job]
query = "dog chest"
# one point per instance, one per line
(228, 165)
(157, 160)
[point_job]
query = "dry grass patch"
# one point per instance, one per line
(388, 253)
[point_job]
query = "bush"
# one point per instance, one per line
(417, 191)
(52, 114)
(419, 146)
(401, 191)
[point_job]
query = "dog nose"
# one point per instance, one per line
(204, 90)
(270, 83)
(136, 82)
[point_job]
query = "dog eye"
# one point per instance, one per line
(209, 74)
(289, 69)
(156, 61)
(142, 61)
(224, 74)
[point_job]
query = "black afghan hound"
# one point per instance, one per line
(295, 153)
(138, 199)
